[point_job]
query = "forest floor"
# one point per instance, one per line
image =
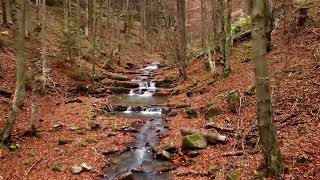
(294, 66)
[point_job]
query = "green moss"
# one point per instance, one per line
(241, 25)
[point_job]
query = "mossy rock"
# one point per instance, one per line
(119, 90)
(191, 91)
(58, 167)
(191, 113)
(234, 98)
(194, 141)
(212, 112)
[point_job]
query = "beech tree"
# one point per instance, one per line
(181, 55)
(267, 130)
(4, 13)
(18, 16)
(228, 41)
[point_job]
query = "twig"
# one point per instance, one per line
(34, 165)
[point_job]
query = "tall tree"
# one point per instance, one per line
(207, 36)
(44, 32)
(182, 50)
(228, 41)
(267, 131)
(4, 13)
(18, 15)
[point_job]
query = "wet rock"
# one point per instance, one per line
(93, 125)
(124, 84)
(64, 141)
(163, 166)
(86, 167)
(127, 176)
(120, 108)
(303, 158)
(165, 155)
(213, 171)
(119, 90)
(234, 175)
(168, 147)
(234, 101)
(194, 141)
(251, 90)
(59, 167)
(76, 169)
(212, 111)
(191, 113)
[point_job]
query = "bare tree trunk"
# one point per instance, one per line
(206, 35)
(203, 21)
(182, 37)
(227, 49)
(4, 14)
(269, 23)
(221, 32)
(78, 29)
(44, 32)
(267, 131)
(18, 15)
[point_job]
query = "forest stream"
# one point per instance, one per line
(139, 162)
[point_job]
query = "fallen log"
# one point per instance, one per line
(211, 136)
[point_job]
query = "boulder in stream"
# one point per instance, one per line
(194, 141)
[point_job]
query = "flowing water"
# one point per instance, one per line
(139, 161)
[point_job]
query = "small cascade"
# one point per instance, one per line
(141, 155)
(146, 88)
(152, 111)
(129, 110)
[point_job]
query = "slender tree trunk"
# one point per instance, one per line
(33, 105)
(206, 35)
(78, 29)
(18, 15)
(203, 21)
(269, 23)
(182, 37)
(227, 51)
(28, 19)
(267, 131)
(221, 32)
(44, 32)
(4, 14)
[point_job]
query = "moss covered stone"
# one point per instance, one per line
(194, 141)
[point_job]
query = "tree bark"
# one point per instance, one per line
(267, 131)
(44, 32)
(227, 49)
(182, 38)
(4, 14)
(18, 15)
